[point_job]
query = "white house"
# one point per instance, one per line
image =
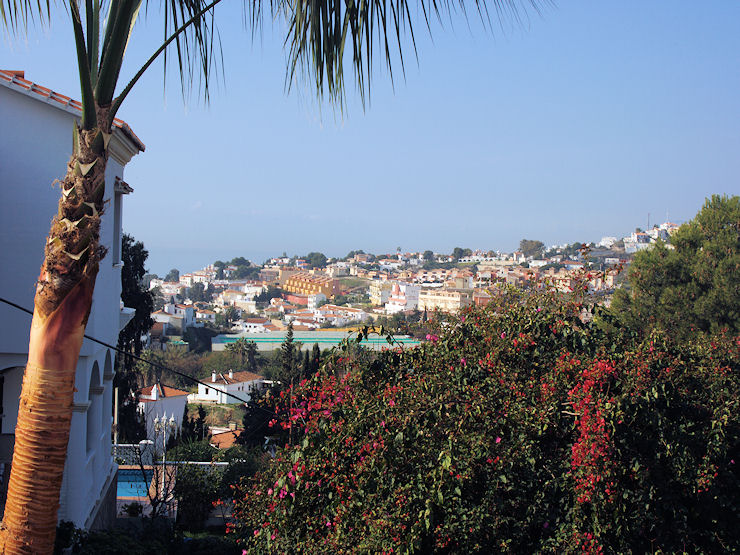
(241, 384)
(404, 296)
(256, 325)
(35, 146)
(205, 315)
(178, 316)
(159, 400)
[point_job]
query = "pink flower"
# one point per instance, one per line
(498, 440)
(503, 335)
(328, 523)
(392, 403)
(269, 491)
(462, 361)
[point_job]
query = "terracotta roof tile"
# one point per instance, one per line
(224, 440)
(18, 79)
(164, 391)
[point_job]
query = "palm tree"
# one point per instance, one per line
(246, 350)
(317, 35)
(65, 286)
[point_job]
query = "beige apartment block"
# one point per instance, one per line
(445, 300)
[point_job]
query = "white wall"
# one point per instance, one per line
(35, 144)
(169, 406)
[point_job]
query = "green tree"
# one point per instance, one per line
(158, 300)
(428, 256)
(196, 293)
(458, 253)
(288, 357)
(693, 284)
(316, 43)
(531, 248)
(315, 358)
(246, 351)
(173, 275)
(134, 294)
(316, 260)
(306, 366)
(227, 316)
(272, 292)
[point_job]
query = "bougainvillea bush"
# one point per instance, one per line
(521, 427)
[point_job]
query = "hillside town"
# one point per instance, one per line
(568, 398)
(315, 293)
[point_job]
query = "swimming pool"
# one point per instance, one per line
(133, 482)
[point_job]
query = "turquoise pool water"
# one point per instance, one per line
(133, 482)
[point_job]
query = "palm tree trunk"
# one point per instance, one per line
(61, 308)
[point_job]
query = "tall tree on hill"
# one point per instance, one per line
(531, 248)
(319, 36)
(173, 275)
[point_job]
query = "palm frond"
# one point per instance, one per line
(197, 46)
(16, 15)
(89, 117)
(319, 30)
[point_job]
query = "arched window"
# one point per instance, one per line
(94, 409)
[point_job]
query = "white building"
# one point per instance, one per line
(256, 325)
(205, 315)
(156, 401)
(35, 146)
(314, 300)
(404, 296)
(177, 316)
(380, 292)
(241, 384)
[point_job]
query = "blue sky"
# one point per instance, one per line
(570, 127)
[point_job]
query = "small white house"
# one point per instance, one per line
(159, 400)
(241, 384)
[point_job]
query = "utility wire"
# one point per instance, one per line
(149, 362)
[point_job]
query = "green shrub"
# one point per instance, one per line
(519, 428)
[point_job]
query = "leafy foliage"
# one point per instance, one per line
(531, 248)
(316, 259)
(173, 275)
(134, 294)
(518, 428)
(695, 285)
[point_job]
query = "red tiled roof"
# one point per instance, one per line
(238, 377)
(224, 440)
(18, 79)
(164, 391)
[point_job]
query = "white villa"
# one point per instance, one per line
(241, 384)
(35, 146)
(156, 401)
